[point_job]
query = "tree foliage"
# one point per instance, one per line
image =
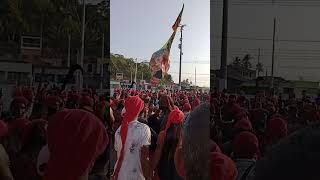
(245, 62)
(55, 20)
(121, 64)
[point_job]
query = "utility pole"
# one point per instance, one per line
(82, 43)
(181, 53)
(135, 74)
(258, 62)
(224, 47)
(273, 44)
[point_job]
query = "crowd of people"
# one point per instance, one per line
(52, 134)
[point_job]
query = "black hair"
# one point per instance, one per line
(295, 158)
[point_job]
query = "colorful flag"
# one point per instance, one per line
(160, 61)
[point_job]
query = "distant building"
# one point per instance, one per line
(236, 76)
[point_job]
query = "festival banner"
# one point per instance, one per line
(160, 61)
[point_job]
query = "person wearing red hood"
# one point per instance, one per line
(131, 143)
(245, 153)
(5, 172)
(163, 161)
(18, 107)
(196, 102)
(75, 139)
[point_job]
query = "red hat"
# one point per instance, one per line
(175, 117)
(276, 130)
(19, 100)
(133, 106)
(75, 139)
(222, 167)
(243, 124)
(187, 107)
(246, 145)
(52, 101)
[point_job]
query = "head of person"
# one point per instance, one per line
(75, 139)
(53, 104)
(196, 137)
(166, 103)
(294, 158)
(86, 103)
(276, 130)
(19, 107)
(245, 146)
(186, 107)
(222, 167)
(73, 101)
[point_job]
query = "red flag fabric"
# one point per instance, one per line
(178, 20)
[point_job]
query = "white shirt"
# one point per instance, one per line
(139, 135)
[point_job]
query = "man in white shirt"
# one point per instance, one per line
(132, 155)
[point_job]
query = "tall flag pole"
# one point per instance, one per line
(160, 61)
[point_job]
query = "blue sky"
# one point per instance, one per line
(141, 27)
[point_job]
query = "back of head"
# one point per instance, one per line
(295, 158)
(75, 139)
(245, 145)
(196, 143)
(222, 167)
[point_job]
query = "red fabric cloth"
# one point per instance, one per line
(276, 130)
(17, 126)
(222, 167)
(75, 139)
(133, 106)
(3, 129)
(166, 101)
(186, 107)
(51, 101)
(19, 100)
(243, 124)
(246, 145)
(195, 103)
(175, 117)
(28, 94)
(86, 101)
(214, 147)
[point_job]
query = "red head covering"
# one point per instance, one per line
(222, 167)
(86, 101)
(19, 100)
(175, 117)
(243, 124)
(52, 101)
(166, 101)
(195, 103)
(276, 130)
(3, 129)
(28, 94)
(133, 106)
(75, 139)
(187, 107)
(246, 145)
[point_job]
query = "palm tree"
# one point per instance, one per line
(236, 61)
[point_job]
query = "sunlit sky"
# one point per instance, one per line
(141, 27)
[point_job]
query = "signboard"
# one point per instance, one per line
(119, 76)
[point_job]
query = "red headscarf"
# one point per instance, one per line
(19, 100)
(133, 106)
(222, 167)
(166, 101)
(75, 139)
(52, 101)
(246, 145)
(175, 117)
(195, 103)
(187, 107)
(243, 124)
(276, 130)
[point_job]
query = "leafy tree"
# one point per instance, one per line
(246, 61)
(236, 61)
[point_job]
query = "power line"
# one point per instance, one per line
(269, 39)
